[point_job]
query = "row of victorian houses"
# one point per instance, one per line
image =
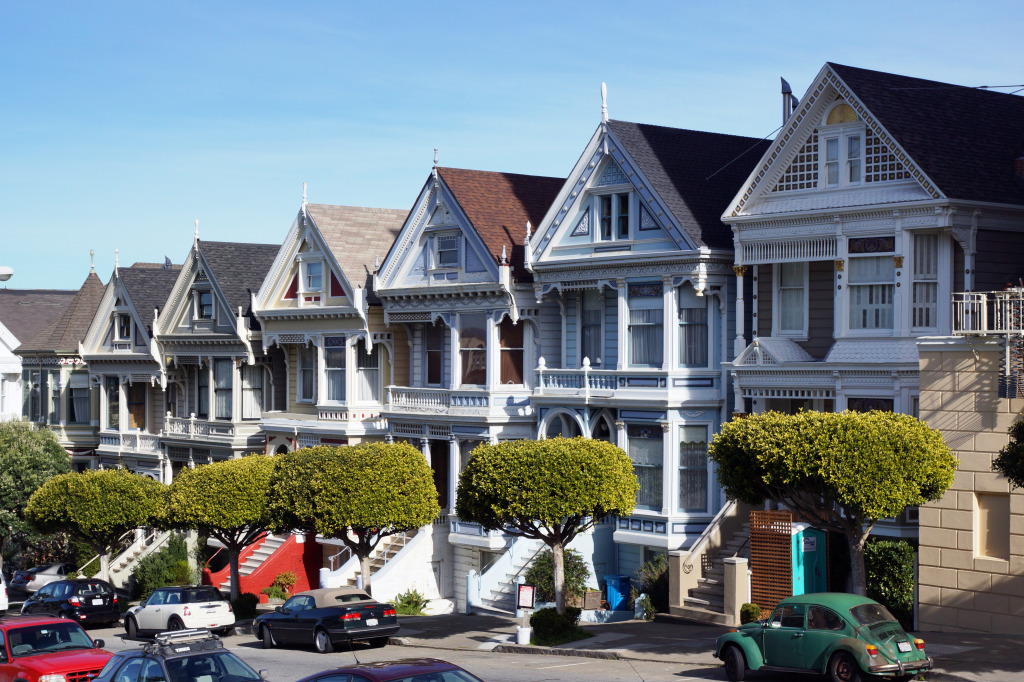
(671, 280)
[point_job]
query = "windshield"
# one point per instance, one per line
(444, 676)
(198, 594)
(40, 639)
(222, 666)
(869, 614)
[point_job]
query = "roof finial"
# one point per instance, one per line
(435, 157)
(504, 258)
(197, 231)
(92, 261)
(376, 262)
(529, 229)
(604, 102)
(303, 194)
(115, 260)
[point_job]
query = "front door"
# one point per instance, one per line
(784, 637)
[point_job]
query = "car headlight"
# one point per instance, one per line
(52, 678)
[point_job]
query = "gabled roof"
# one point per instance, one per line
(500, 204)
(64, 334)
(148, 285)
(239, 269)
(26, 312)
(357, 236)
(964, 139)
(695, 173)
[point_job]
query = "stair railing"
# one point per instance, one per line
(698, 546)
(404, 536)
(119, 547)
(345, 550)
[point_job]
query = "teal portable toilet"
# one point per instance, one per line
(809, 562)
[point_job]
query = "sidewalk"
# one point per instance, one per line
(958, 656)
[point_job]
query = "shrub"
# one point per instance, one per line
(410, 603)
(750, 613)
(542, 575)
(275, 592)
(169, 566)
(286, 581)
(652, 580)
(648, 607)
(889, 566)
(245, 605)
(549, 625)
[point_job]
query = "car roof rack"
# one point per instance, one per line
(182, 641)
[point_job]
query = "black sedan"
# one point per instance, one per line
(406, 670)
(86, 600)
(327, 617)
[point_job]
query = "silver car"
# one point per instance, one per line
(34, 578)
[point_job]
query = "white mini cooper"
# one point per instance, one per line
(177, 608)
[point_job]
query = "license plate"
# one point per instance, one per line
(97, 602)
(371, 621)
(903, 646)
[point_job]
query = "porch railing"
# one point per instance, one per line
(436, 399)
(989, 312)
(198, 428)
(134, 442)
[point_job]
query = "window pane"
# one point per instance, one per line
(511, 336)
(645, 449)
(222, 379)
(368, 372)
(472, 344)
(314, 276)
(137, 406)
(791, 309)
(871, 270)
(306, 373)
(693, 337)
(693, 469)
(606, 216)
(448, 250)
(252, 391)
(832, 149)
(433, 343)
(590, 331)
(203, 391)
(623, 215)
(791, 275)
(646, 337)
(113, 402)
(334, 365)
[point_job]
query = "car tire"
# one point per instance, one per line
(735, 663)
(268, 637)
(844, 668)
(175, 624)
(378, 642)
(322, 641)
(131, 630)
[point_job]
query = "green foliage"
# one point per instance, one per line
(551, 628)
(275, 592)
(410, 603)
(1010, 460)
(890, 577)
(97, 507)
(286, 581)
(750, 613)
(245, 605)
(652, 580)
(226, 500)
(541, 574)
(169, 566)
(646, 605)
(28, 458)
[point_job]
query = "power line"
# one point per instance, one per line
(741, 154)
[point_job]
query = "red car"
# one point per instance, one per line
(59, 650)
(406, 670)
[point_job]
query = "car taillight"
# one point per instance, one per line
(230, 609)
(186, 612)
(919, 643)
(75, 601)
(350, 616)
(115, 598)
(872, 649)
(389, 612)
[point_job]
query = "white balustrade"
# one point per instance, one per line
(436, 399)
(198, 428)
(990, 312)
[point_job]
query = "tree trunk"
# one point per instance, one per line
(364, 570)
(105, 566)
(233, 562)
(558, 552)
(856, 539)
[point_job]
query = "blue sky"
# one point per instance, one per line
(122, 122)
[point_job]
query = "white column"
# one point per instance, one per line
(620, 435)
(669, 480)
(453, 470)
(122, 404)
(236, 391)
(455, 376)
(425, 449)
(623, 331)
(493, 353)
(670, 333)
(740, 343)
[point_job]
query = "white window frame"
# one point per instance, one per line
(594, 362)
(198, 304)
(305, 286)
(850, 285)
(325, 371)
(926, 279)
(118, 317)
(300, 368)
(709, 481)
(361, 372)
(842, 134)
(800, 334)
(614, 197)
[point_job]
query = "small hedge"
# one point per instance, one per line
(750, 613)
(169, 566)
(245, 605)
(551, 628)
(410, 603)
(890, 577)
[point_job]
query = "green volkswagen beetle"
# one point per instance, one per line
(845, 636)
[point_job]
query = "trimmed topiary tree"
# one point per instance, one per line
(225, 500)
(97, 507)
(358, 494)
(843, 470)
(549, 490)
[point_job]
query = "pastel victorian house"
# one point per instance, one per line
(454, 283)
(318, 311)
(23, 314)
(217, 380)
(632, 271)
(125, 363)
(56, 389)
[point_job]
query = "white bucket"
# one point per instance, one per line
(523, 635)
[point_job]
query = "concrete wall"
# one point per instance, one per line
(959, 587)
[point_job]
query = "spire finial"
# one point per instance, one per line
(604, 102)
(303, 193)
(92, 261)
(376, 262)
(115, 260)
(529, 230)
(435, 157)
(504, 257)
(197, 231)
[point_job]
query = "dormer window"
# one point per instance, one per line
(314, 276)
(447, 249)
(204, 305)
(843, 139)
(124, 327)
(613, 212)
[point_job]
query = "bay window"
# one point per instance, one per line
(591, 315)
(78, 399)
(645, 449)
(252, 391)
(334, 367)
(871, 292)
(367, 373)
(473, 348)
(693, 328)
(307, 373)
(693, 469)
(223, 369)
(433, 350)
(511, 336)
(926, 281)
(646, 322)
(792, 299)
(112, 385)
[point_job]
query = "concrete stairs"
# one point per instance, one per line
(122, 565)
(706, 602)
(503, 598)
(385, 552)
(263, 552)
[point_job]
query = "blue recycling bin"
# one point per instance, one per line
(618, 592)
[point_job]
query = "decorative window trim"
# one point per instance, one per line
(436, 239)
(583, 225)
(334, 343)
(923, 282)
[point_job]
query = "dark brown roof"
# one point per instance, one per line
(64, 334)
(148, 285)
(499, 204)
(964, 138)
(26, 312)
(695, 173)
(239, 269)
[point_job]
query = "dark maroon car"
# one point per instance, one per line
(406, 670)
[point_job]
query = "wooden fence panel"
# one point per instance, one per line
(771, 561)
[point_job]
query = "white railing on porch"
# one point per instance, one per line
(146, 443)
(436, 399)
(989, 312)
(585, 379)
(198, 428)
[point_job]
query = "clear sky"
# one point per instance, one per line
(122, 122)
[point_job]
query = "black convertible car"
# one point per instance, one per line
(327, 617)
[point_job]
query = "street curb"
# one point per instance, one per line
(548, 651)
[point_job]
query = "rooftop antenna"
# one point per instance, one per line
(92, 261)
(303, 194)
(604, 102)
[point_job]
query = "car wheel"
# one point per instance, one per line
(131, 630)
(268, 637)
(175, 624)
(378, 642)
(844, 668)
(323, 641)
(735, 663)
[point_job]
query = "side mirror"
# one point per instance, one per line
(279, 609)
(99, 643)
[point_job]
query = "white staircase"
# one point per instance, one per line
(385, 551)
(266, 548)
(498, 582)
(147, 542)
